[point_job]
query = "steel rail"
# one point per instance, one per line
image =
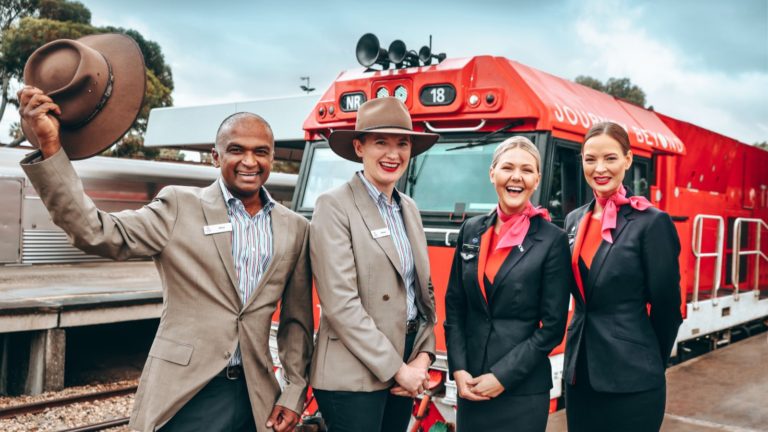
(99, 426)
(36, 407)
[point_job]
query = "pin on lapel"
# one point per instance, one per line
(469, 251)
(521, 248)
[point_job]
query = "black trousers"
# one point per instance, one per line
(222, 405)
(345, 411)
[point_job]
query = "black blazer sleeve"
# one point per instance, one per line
(557, 277)
(456, 313)
(661, 250)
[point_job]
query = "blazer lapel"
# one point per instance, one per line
(215, 212)
(517, 253)
(279, 246)
(622, 218)
(482, 258)
(581, 229)
(574, 229)
(373, 221)
(477, 266)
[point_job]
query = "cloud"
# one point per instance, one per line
(618, 45)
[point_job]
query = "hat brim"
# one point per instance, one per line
(121, 109)
(341, 141)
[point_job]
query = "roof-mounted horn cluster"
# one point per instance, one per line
(370, 53)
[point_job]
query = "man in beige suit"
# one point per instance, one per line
(227, 255)
(369, 258)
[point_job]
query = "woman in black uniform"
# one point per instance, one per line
(625, 260)
(507, 302)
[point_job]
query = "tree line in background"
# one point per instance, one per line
(25, 25)
(621, 88)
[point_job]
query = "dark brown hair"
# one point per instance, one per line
(611, 129)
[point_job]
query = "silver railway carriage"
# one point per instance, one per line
(27, 234)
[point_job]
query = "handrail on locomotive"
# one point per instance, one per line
(698, 231)
(737, 253)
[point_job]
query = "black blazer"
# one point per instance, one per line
(503, 335)
(626, 348)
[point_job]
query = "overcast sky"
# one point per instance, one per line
(703, 61)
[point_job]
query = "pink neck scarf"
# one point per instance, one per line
(515, 227)
(611, 208)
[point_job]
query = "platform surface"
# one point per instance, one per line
(50, 296)
(725, 390)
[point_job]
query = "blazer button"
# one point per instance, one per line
(386, 297)
(227, 354)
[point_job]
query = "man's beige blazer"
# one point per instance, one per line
(361, 339)
(203, 319)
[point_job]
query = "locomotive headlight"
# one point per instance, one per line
(382, 92)
(401, 93)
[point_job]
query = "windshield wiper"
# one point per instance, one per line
(416, 173)
(486, 139)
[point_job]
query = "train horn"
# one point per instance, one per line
(426, 56)
(370, 52)
(399, 54)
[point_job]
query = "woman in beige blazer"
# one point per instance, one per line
(369, 260)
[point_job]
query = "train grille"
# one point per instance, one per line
(50, 247)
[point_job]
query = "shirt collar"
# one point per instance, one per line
(376, 194)
(233, 203)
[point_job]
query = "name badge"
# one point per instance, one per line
(379, 233)
(215, 229)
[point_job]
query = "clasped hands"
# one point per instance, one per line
(282, 419)
(412, 378)
(479, 388)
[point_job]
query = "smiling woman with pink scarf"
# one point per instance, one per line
(507, 301)
(625, 262)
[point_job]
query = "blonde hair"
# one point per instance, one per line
(514, 142)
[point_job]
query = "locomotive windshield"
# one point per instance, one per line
(326, 171)
(439, 180)
(452, 181)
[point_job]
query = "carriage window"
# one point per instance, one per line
(567, 187)
(444, 181)
(327, 171)
(639, 177)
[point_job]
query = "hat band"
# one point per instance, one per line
(386, 127)
(102, 102)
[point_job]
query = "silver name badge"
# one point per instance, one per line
(379, 233)
(215, 229)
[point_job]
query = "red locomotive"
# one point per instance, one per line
(713, 186)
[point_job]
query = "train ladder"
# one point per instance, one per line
(738, 253)
(698, 232)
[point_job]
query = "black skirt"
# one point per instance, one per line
(588, 410)
(525, 413)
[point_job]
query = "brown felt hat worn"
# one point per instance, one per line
(98, 81)
(387, 115)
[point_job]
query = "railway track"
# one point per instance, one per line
(99, 426)
(40, 406)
